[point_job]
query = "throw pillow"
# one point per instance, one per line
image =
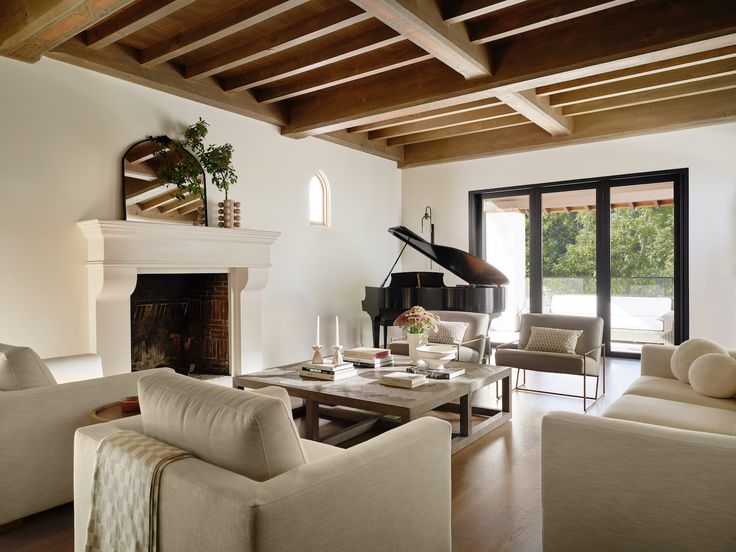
(688, 351)
(247, 433)
(714, 375)
(553, 340)
(22, 368)
(448, 332)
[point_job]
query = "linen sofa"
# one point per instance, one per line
(657, 471)
(391, 493)
(37, 428)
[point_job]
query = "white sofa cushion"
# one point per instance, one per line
(675, 390)
(688, 351)
(247, 433)
(714, 375)
(22, 368)
(661, 412)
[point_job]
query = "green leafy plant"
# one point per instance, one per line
(182, 161)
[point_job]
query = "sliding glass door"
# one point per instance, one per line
(615, 247)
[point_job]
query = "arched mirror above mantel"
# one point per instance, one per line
(147, 198)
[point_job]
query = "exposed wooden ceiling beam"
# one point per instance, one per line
(181, 204)
(427, 114)
(695, 73)
(538, 111)
(379, 61)
(370, 35)
(360, 142)
(135, 187)
(640, 71)
(132, 19)
(654, 95)
(118, 61)
(163, 199)
(30, 28)
(421, 22)
(319, 25)
(455, 11)
(531, 15)
(611, 40)
(459, 130)
(223, 25)
(641, 119)
(493, 112)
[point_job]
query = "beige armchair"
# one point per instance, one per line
(587, 361)
(475, 345)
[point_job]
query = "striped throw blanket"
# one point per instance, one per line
(124, 512)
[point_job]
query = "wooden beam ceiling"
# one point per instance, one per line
(421, 22)
(539, 111)
(456, 11)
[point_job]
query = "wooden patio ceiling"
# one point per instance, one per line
(417, 81)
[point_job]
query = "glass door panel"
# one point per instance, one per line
(569, 252)
(642, 266)
(507, 248)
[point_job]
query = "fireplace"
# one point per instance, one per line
(180, 321)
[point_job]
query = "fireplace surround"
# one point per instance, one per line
(118, 251)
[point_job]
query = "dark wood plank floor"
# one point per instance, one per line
(495, 482)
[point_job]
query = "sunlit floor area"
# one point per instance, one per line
(496, 481)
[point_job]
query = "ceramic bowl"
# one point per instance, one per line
(435, 356)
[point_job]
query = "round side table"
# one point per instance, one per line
(110, 412)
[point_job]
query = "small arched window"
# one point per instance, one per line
(319, 200)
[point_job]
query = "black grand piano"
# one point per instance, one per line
(485, 292)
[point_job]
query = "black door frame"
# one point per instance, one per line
(602, 186)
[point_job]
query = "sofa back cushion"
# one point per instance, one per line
(22, 368)
(247, 433)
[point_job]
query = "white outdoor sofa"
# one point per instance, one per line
(656, 472)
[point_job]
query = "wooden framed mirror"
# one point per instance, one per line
(146, 198)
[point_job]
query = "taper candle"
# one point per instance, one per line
(337, 330)
(317, 342)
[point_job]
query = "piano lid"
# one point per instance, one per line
(464, 265)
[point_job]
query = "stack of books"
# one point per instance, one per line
(327, 371)
(369, 357)
(437, 373)
(403, 379)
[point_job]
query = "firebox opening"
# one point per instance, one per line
(181, 321)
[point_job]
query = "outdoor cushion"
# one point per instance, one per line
(714, 375)
(650, 410)
(674, 390)
(22, 368)
(240, 431)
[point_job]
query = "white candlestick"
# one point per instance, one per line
(317, 342)
(337, 331)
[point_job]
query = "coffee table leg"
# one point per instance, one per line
(506, 398)
(466, 413)
(312, 420)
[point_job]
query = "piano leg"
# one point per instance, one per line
(385, 336)
(376, 331)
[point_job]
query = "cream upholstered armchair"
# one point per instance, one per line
(588, 360)
(391, 493)
(474, 345)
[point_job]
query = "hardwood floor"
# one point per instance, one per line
(495, 481)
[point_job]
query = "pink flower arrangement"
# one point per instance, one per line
(416, 320)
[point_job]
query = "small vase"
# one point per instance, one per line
(228, 214)
(416, 340)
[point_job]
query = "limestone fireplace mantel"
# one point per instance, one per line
(117, 251)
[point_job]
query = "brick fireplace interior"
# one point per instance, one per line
(181, 321)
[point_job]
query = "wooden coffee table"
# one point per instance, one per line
(367, 403)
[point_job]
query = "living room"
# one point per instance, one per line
(76, 95)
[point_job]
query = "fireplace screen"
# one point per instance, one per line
(181, 321)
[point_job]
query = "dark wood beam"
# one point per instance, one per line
(674, 114)
(459, 130)
(317, 26)
(120, 62)
(221, 26)
(640, 71)
(370, 35)
(132, 19)
(612, 40)
(360, 142)
(474, 115)
(539, 111)
(372, 63)
(421, 22)
(30, 28)
(455, 11)
(531, 15)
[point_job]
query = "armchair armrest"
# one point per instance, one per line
(482, 349)
(612, 484)
(508, 345)
(389, 493)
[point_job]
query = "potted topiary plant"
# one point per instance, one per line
(185, 171)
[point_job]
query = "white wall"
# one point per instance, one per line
(707, 152)
(64, 131)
